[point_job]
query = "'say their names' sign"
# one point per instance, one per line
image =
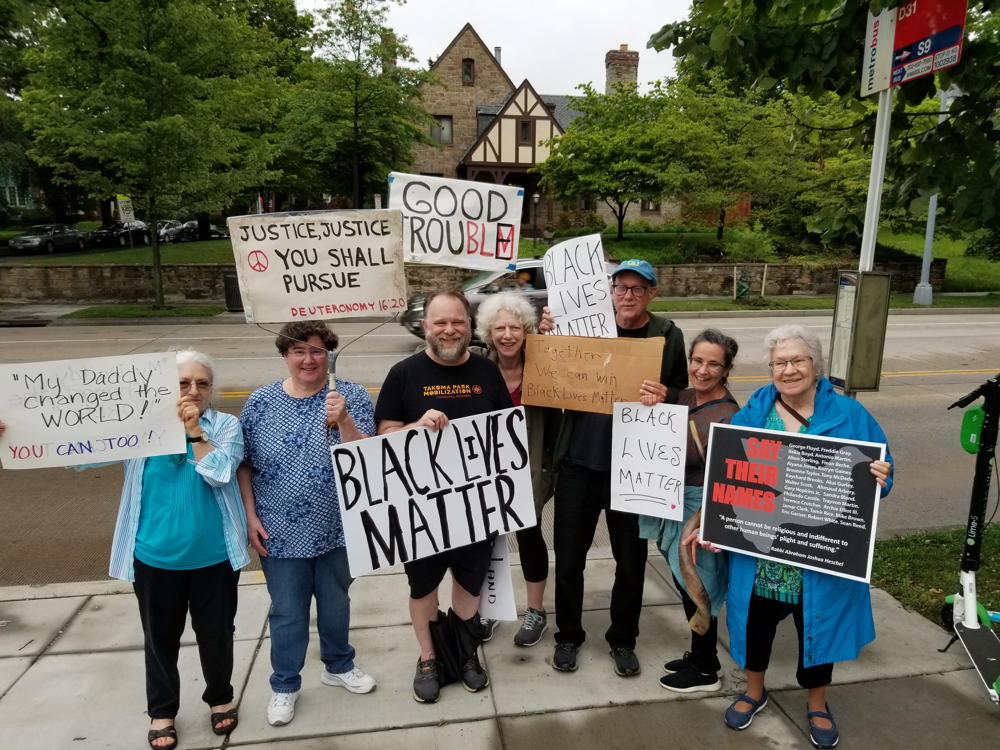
(806, 500)
(78, 411)
(457, 222)
(319, 266)
(414, 493)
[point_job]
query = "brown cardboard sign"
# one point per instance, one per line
(587, 374)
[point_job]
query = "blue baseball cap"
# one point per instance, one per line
(641, 267)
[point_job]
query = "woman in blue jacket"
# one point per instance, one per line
(833, 615)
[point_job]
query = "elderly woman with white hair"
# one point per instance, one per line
(832, 615)
(502, 323)
(181, 538)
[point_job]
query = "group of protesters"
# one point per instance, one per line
(267, 478)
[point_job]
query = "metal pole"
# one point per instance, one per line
(924, 292)
(875, 179)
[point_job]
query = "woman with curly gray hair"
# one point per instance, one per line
(503, 321)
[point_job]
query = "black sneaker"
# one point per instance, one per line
(690, 680)
(626, 663)
(474, 677)
(532, 628)
(676, 665)
(427, 681)
(487, 628)
(564, 657)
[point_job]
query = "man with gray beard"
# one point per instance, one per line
(445, 381)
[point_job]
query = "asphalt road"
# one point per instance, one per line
(58, 523)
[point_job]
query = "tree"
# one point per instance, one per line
(168, 101)
(356, 115)
(611, 151)
(816, 47)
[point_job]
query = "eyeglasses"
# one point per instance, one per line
(697, 363)
(799, 363)
(621, 290)
(201, 385)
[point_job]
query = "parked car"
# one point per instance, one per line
(189, 232)
(121, 233)
(483, 284)
(49, 238)
(167, 229)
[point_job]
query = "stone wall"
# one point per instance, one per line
(204, 283)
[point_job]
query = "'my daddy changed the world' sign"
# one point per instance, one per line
(807, 500)
(318, 266)
(457, 222)
(417, 492)
(78, 411)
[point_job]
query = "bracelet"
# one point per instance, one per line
(199, 439)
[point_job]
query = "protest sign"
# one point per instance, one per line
(319, 265)
(77, 411)
(587, 374)
(648, 451)
(414, 493)
(457, 222)
(496, 601)
(805, 500)
(579, 290)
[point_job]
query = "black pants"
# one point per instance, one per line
(704, 648)
(581, 495)
(763, 617)
(534, 553)
(165, 596)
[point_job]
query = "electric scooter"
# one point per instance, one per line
(962, 612)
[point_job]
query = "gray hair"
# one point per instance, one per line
(186, 356)
(796, 332)
(493, 305)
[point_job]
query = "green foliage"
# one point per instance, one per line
(749, 246)
(984, 243)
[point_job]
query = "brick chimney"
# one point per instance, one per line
(620, 64)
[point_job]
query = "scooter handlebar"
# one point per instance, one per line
(968, 398)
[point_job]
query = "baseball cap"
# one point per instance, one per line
(641, 267)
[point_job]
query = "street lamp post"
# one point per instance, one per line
(534, 199)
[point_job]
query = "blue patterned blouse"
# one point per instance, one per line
(288, 448)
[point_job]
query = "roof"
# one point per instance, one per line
(563, 113)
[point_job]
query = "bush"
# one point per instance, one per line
(749, 246)
(984, 243)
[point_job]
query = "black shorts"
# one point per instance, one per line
(468, 567)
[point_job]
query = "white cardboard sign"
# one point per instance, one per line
(496, 600)
(77, 411)
(648, 451)
(457, 222)
(414, 493)
(319, 266)
(579, 290)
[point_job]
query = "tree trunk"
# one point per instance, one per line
(620, 215)
(154, 237)
(722, 223)
(204, 233)
(106, 211)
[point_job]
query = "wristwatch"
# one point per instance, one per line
(199, 439)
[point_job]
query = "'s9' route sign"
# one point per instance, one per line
(917, 38)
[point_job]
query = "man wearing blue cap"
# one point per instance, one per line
(583, 488)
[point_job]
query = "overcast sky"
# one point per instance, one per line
(555, 44)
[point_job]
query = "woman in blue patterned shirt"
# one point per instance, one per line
(293, 513)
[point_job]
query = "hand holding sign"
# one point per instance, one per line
(579, 292)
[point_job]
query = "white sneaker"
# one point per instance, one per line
(355, 680)
(281, 709)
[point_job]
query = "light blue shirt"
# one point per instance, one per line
(218, 469)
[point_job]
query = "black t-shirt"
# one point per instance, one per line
(418, 383)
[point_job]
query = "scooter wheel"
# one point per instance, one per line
(948, 616)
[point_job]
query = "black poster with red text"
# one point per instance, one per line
(805, 500)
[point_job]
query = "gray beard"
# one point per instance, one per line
(449, 356)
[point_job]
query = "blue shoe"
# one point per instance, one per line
(742, 719)
(825, 738)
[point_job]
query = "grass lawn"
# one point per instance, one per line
(963, 274)
(147, 311)
(921, 569)
(177, 253)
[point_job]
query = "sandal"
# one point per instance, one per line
(221, 716)
(159, 734)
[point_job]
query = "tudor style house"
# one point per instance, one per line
(490, 130)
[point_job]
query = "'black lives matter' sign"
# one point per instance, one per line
(805, 500)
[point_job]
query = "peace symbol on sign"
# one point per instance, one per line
(257, 260)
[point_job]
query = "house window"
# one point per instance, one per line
(649, 207)
(525, 132)
(468, 71)
(441, 131)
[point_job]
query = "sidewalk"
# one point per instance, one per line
(71, 676)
